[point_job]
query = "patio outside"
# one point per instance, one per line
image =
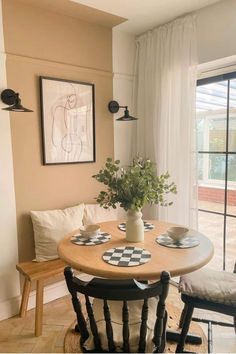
(211, 225)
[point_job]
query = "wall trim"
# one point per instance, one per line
(217, 67)
(10, 307)
(38, 61)
(123, 76)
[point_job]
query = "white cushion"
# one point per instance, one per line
(51, 226)
(135, 308)
(93, 214)
(212, 285)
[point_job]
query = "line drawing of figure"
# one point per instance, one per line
(71, 124)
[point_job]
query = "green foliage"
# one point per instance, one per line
(134, 186)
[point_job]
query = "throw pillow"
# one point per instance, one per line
(93, 214)
(51, 226)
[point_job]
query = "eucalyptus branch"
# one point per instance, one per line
(134, 186)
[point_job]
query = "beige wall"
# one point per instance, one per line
(9, 279)
(41, 42)
(216, 27)
(123, 47)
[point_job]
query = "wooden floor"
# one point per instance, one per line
(17, 334)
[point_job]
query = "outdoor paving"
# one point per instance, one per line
(211, 225)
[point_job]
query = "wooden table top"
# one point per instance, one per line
(88, 259)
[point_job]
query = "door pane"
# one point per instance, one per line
(211, 225)
(230, 244)
(231, 193)
(231, 188)
(211, 181)
(211, 116)
(216, 146)
(232, 116)
(232, 132)
(217, 132)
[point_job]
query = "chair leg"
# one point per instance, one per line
(39, 308)
(163, 340)
(185, 328)
(25, 297)
(183, 314)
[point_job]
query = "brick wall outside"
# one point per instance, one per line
(216, 195)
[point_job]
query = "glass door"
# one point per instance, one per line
(216, 136)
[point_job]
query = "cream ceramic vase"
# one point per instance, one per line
(134, 226)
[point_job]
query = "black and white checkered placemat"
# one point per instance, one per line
(147, 226)
(187, 242)
(126, 256)
(80, 240)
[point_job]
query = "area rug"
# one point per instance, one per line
(71, 342)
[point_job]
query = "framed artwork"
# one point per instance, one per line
(68, 121)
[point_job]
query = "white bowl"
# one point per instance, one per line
(89, 230)
(177, 233)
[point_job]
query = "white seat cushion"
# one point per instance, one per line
(135, 308)
(51, 226)
(212, 285)
(94, 214)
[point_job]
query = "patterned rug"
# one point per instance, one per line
(71, 342)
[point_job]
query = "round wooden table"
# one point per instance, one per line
(88, 259)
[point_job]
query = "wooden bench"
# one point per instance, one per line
(39, 272)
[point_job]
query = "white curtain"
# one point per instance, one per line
(164, 92)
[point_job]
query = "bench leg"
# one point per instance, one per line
(39, 308)
(25, 297)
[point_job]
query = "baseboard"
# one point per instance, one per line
(51, 292)
(10, 307)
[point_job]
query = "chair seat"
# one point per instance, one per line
(211, 285)
(117, 324)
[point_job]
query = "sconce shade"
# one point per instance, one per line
(12, 98)
(113, 107)
(126, 117)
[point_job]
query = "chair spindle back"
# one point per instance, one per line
(124, 291)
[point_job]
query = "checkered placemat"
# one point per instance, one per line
(102, 237)
(147, 226)
(126, 256)
(187, 242)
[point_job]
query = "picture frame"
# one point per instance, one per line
(68, 121)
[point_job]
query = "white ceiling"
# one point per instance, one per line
(145, 14)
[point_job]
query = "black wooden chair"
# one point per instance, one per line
(208, 290)
(128, 305)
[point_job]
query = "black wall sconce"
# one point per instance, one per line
(12, 99)
(114, 107)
